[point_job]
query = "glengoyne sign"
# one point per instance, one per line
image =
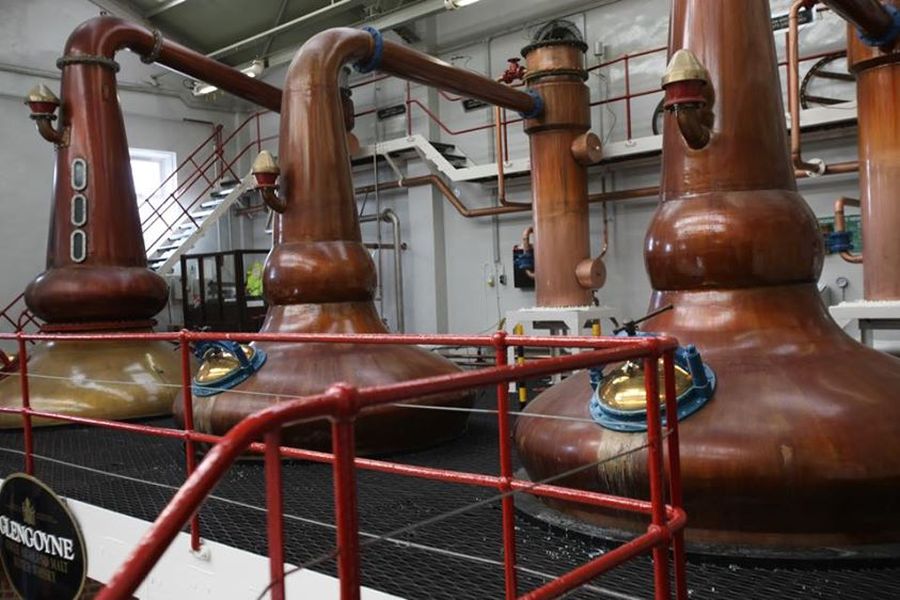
(41, 546)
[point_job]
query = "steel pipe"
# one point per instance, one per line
(391, 217)
(307, 17)
(793, 69)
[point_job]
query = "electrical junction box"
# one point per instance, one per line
(521, 279)
(852, 224)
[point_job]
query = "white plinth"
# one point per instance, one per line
(570, 321)
(870, 315)
(574, 320)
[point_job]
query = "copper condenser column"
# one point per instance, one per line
(797, 449)
(877, 69)
(561, 150)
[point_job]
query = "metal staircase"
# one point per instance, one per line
(163, 256)
(191, 200)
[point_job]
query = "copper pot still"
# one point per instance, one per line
(97, 278)
(798, 448)
(319, 278)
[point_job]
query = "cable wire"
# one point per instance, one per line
(463, 509)
(307, 521)
(287, 397)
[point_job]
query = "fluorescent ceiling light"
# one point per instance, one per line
(254, 70)
(454, 4)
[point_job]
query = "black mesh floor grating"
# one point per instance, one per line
(457, 558)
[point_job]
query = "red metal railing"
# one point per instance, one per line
(627, 97)
(206, 163)
(342, 403)
(24, 320)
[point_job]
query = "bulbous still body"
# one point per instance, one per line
(798, 450)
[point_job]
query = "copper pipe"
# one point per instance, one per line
(104, 36)
(411, 65)
(693, 129)
(526, 238)
(793, 52)
(270, 196)
(448, 195)
(868, 16)
(851, 166)
(317, 168)
(605, 232)
(604, 197)
(470, 213)
(48, 132)
(499, 151)
(840, 225)
(632, 194)
(841, 168)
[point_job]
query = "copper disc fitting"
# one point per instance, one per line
(591, 273)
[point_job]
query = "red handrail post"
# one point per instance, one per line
(5, 310)
(258, 135)
(505, 136)
(190, 457)
(627, 99)
(674, 464)
(274, 516)
(341, 403)
(507, 503)
(220, 152)
(26, 404)
(408, 110)
(654, 459)
(345, 501)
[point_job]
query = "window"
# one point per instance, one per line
(155, 180)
